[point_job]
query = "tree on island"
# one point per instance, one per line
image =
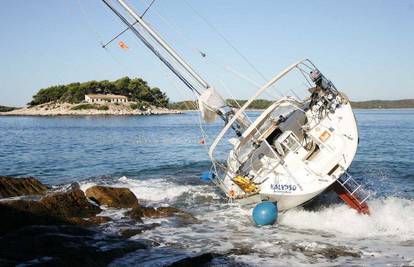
(135, 89)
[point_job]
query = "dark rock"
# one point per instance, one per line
(129, 232)
(161, 212)
(72, 203)
(12, 187)
(60, 208)
(19, 213)
(330, 252)
(198, 260)
(241, 249)
(336, 252)
(112, 197)
(87, 222)
(135, 214)
(62, 246)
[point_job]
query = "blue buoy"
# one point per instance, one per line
(265, 213)
(207, 176)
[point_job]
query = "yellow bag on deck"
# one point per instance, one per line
(245, 184)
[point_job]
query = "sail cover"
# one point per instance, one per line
(209, 103)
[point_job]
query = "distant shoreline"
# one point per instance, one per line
(65, 109)
(262, 104)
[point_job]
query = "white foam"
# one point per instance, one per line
(85, 185)
(157, 190)
(389, 217)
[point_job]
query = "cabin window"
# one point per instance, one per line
(333, 169)
(312, 154)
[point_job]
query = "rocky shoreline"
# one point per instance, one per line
(63, 226)
(66, 109)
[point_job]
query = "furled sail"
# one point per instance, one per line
(210, 103)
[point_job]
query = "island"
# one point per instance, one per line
(124, 96)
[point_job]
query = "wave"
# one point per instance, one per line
(389, 217)
(161, 190)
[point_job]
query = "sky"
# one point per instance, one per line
(365, 47)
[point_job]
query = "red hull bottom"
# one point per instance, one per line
(349, 199)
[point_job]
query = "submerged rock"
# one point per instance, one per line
(335, 252)
(330, 251)
(129, 232)
(138, 213)
(135, 214)
(199, 260)
(12, 187)
(162, 212)
(206, 259)
(112, 197)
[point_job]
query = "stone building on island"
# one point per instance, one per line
(109, 98)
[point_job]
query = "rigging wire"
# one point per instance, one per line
(119, 34)
(148, 8)
(225, 39)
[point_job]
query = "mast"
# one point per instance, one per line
(160, 41)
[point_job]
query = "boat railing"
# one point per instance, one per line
(261, 90)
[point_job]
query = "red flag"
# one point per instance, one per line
(123, 45)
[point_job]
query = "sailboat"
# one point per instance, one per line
(297, 148)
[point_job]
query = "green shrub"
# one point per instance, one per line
(6, 109)
(135, 89)
(90, 106)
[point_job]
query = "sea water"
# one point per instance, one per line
(160, 159)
